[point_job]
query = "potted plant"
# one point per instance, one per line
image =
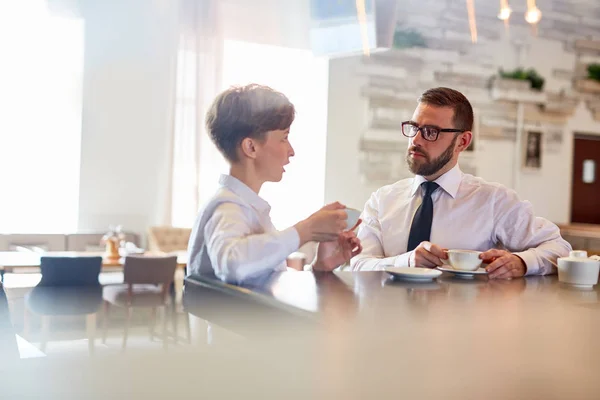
(594, 72)
(590, 84)
(536, 81)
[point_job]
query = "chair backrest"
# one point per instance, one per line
(168, 238)
(70, 271)
(76, 300)
(149, 270)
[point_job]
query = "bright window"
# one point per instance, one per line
(41, 77)
(303, 79)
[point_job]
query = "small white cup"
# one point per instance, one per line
(578, 270)
(464, 260)
(353, 216)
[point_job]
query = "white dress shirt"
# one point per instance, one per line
(233, 236)
(468, 213)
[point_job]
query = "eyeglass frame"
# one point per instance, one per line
(419, 129)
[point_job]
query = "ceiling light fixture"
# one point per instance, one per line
(533, 15)
(472, 23)
(361, 12)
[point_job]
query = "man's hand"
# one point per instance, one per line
(427, 255)
(331, 255)
(503, 264)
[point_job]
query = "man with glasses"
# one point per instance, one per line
(412, 222)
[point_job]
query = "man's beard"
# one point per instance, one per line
(429, 168)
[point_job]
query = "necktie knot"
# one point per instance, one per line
(430, 187)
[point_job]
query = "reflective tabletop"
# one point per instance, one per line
(299, 334)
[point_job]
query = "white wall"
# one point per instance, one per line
(549, 189)
(347, 118)
(128, 76)
(129, 50)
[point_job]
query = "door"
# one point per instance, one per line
(585, 204)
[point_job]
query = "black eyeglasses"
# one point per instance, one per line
(429, 132)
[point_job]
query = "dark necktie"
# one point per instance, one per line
(420, 230)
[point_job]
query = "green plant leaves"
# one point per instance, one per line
(594, 72)
(531, 75)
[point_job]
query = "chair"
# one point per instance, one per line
(8, 341)
(69, 286)
(167, 239)
(146, 285)
(70, 271)
(61, 301)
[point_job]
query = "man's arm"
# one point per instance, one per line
(372, 257)
(534, 240)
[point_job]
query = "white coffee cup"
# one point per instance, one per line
(464, 260)
(353, 216)
(578, 270)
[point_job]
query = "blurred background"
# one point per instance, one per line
(104, 154)
(104, 103)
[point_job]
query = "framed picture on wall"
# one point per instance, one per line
(532, 152)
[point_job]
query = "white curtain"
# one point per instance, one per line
(223, 45)
(197, 83)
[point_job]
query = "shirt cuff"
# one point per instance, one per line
(402, 260)
(530, 261)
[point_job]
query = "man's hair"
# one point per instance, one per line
(246, 111)
(446, 97)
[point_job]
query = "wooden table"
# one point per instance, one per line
(11, 261)
(369, 336)
(346, 335)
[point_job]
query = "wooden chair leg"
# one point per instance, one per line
(186, 321)
(152, 322)
(173, 318)
(126, 329)
(105, 317)
(165, 335)
(90, 322)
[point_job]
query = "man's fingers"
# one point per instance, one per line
(438, 252)
(432, 258)
(434, 249)
(491, 254)
(504, 272)
(426, 260)
(497, 264)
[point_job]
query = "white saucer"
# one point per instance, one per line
(464, 274)
(413, 274)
